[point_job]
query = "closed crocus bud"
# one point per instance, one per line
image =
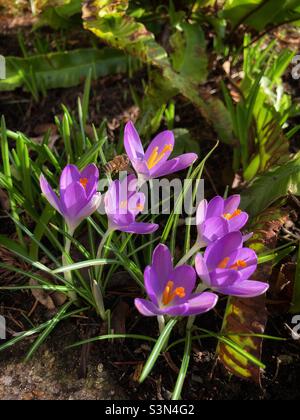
(78, 197)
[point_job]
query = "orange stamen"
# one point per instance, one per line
(239, 264)
(169, 293)
(156, 157)
(230, 216)
(224, 263)
(140, 207)
(84, 182)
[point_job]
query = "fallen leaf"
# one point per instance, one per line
(249, 316)
(42, 296)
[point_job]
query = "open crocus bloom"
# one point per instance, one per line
(78, 194)
(170, 289)
(154, 162)
(219, 217)
(123, 203)
(227, 267)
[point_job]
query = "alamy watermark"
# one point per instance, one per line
(2, 67)
(296, 68)
(296, 329)
(162, 196)
(2, 328)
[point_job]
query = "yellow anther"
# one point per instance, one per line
(156, 157)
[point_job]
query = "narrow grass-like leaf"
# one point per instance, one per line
(44, 335)
(157, 349)
(38, 329)
(184, 367)
(112, 337)
(83, 264)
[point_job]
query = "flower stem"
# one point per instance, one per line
(65, 261)
(190, 254)
(105, 239)
(161, 323)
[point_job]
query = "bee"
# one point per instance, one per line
(118, 164)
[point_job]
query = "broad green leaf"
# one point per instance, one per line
(63, 69)
(258, 14)
(189, 57)
(110, 23)
(271, 186)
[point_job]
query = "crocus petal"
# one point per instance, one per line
(90, 208)
(175, 165)
(213, 229)
(184, 276)
(161, 146)
(91, 173)
(136, 203)
(249, 257)
(245, 289)
(247, 236)
(139, 228)
(132, 142)
(201, 303)
(176, 310)
(201, 212)
(50, 194)
(215, 207)
(146, 308)
(223, 278)
(162, 263)
(222, 248)
(153, 285)
(74, 199)
(69, 175)
(238, 222)
(232, 203)
(202, 269)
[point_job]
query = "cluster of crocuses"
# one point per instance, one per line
(225, 267)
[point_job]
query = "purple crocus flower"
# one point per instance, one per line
(219, 217)
(78, 194)
(154, 162)
(171, 289)
(123, 203)
(227, 267)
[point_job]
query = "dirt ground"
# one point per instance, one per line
(47, 378)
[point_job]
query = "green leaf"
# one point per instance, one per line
(184, 367)
(44, 335)
(83, 264)
(157, 349)
(112, 337)
(271, 186)
(63, 69)
(189, 52)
